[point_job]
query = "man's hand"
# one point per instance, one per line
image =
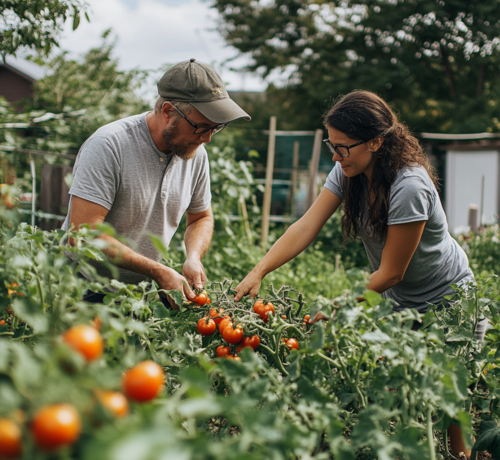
(194, 272)
(169, 279)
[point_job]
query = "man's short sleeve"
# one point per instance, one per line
(202, 196)
(411, 200)
(96, 175)
(335, 181)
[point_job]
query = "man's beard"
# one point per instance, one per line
(183, 150)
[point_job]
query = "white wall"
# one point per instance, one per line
(464, 172)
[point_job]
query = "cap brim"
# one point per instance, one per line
(221, 111)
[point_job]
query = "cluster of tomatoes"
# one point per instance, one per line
(233, 333)
(11, 290)
(57, 425)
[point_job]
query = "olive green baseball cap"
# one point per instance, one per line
(199, 84)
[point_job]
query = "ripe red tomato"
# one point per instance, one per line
(252, 341)
(2, 322)
(201, 298)
(265, 310)
(10, 439)
(206, 326)
(114, 401)
(216, 314)
(257, 306)
(232, 335)
(143, 382)
(292, 343)
(86, 340)
(225, 322)
(307, 318)
(55, 426)
(222, 351)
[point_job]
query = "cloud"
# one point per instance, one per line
(152, 33)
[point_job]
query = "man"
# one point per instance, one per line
(142, 173)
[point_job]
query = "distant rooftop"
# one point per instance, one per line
(28, 68)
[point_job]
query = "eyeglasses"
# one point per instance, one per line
(342, 150)
(197, 130)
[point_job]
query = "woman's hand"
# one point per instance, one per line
(250, 285)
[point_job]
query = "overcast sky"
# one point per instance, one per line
(152, 33)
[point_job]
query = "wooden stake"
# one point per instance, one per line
(245, 219)
(266, 207)
(313, 169)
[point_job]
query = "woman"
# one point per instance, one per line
(388, 188)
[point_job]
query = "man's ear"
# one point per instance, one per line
(167, 111)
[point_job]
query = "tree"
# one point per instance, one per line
(86, 94)
(436, 61)
(35, 24)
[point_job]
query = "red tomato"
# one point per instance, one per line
(86, 340)
(257, 307)
(265, 310)
(222, 351)
(209, 301)
(2, 322)
(201, 298)
(225, 322)
(292, 343)
(232, 335)
(252, 341)
(56, 426)
(206, 326)
(144, 381)
(216, 314)
(307, 318)
(10, 439)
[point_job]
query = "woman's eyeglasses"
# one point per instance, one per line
(342, 150)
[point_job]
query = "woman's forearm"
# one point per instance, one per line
(292, 243)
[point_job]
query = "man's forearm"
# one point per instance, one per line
(125, 257)
(198, 236)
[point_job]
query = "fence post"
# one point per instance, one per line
(313, 169)
(473, 217)
(266, 207)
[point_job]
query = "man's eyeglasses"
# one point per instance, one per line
(197, 130)
(342, 150)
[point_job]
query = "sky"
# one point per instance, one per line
(152, 33)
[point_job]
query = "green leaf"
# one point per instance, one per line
(76, 19)
(159, 245)
(489, 438)
(31, 313)
(294, 368)
(160, 311)
(376, 336)
(373, 298)
(318, 338)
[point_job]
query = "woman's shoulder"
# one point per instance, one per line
(413, 172)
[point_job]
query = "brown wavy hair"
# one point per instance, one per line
(362, 115)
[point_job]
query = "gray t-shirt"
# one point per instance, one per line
(144, 190)
(438, 260)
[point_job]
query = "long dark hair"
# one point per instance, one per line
(362, 115)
